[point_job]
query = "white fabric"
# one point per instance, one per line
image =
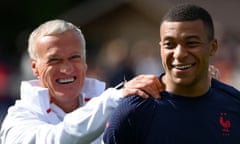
(34, 120)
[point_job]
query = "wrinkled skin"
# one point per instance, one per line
(61, 68)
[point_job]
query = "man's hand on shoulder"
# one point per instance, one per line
(144, 86)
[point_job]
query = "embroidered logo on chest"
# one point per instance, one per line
(225, 124)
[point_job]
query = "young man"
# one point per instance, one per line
(192, 110)
(53, 108)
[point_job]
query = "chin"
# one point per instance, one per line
(184, 81)
(66, 94)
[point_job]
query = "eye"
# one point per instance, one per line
(76, 57)
(192, 43)
(53, 60)
(169, 44)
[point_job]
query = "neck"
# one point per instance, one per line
(68, 106)
(193, 89)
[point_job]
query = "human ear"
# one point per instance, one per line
(214, 47)
(34, 67)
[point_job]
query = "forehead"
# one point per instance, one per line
(64, 42)
(182, 29)
(61, 38)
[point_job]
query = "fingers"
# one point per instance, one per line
(144, 86)
(214, 72)
(128, 92)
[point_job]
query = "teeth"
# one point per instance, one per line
(183, 66)
(64, 81)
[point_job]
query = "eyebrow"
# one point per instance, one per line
(184, 37)
(192, 36)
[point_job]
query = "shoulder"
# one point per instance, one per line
(137, 103)
(131, 112)
(21, 111)
(131, 108)
(219, 86)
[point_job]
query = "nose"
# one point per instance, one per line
(66, 68)
(180, 52)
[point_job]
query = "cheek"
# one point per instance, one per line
(42, 69)
(164, 56)
(45, 75)
(82, 68)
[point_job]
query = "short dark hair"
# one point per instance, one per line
(190, 12)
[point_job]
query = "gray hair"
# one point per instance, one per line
(52, 27)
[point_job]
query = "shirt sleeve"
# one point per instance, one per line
(89, 121)
(120, 127)
(130, 122)
(83, 125)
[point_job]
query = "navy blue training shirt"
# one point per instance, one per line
(213, 118)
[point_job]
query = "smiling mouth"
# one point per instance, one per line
(182, 67)
(66, 81)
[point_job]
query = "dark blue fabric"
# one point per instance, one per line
(4, 105)
(213, 118)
